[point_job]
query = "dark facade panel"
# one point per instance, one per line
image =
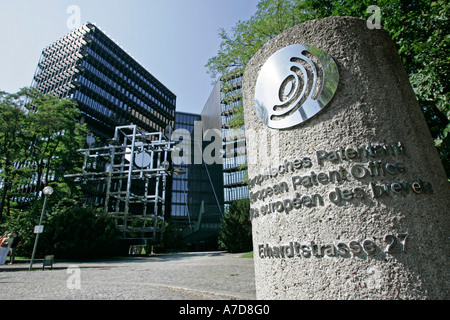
(200, 182)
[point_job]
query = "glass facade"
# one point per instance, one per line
(217, 114)
(109, 86)
(197, 197)
(187, 187)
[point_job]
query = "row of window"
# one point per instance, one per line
(120, 104)
(236, 93)
(133, 84)
(179, 210)
(101, 76)
(231, 152)
(236, 177)
(104, 62)
(235, 143)
(77, 95)
(130, 68)
(229, 106)
(196, 185)
(232, 81)
(234, 163)
(237, 193)
(153, 125)
(182, 210)
(227, 118)
(181, 185)
(179, 197)
(232, 133)
(105, 94)
(187, 118)
(185, 126)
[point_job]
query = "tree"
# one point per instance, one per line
(424, 41)
(236, 50)
(55, 135)
(12, 140)
(419, 28)
(236, 232)
(39, 136)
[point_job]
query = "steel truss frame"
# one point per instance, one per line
(133, 171)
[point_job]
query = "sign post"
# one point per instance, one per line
(40, 228)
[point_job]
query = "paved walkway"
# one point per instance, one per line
(181, 276)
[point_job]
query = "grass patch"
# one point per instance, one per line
(247, 255)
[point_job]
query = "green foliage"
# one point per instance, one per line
(419, 28)
(173, 239)
(80, 233)
(24, 222)
(39, 136)
(71, 231)
(13, 138)
(247, 37)
(236, 232)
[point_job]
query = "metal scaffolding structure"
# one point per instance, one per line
(131, 174)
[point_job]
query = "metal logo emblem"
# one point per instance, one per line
(294, 84)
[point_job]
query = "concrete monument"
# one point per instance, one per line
(349, 199)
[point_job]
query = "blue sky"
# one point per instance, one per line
(172, 39)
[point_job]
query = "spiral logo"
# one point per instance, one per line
(294, 84)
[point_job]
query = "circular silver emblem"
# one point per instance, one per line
(294, 84)
(142, 159)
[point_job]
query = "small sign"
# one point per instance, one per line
(38, 229)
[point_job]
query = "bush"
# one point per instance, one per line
(81, 233)
(236, 233)
(70, 231)
(173, 238)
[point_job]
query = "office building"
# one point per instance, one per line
(110, 87)
(117, 98)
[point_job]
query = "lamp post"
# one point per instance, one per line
(47, 192)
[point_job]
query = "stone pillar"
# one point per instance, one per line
(349, 199)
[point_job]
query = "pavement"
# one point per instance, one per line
(177, 276)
